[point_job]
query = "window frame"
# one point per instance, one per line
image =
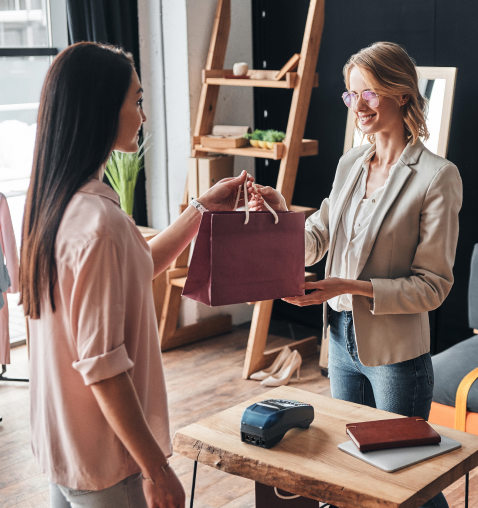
(57, 40)
(57, 34)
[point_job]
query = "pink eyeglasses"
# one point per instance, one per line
(351, 98)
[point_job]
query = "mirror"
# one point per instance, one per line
(437, 84)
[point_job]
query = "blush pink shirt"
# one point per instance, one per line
(104, 324)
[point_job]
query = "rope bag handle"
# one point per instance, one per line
(246, 204)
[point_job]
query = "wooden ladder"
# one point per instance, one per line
(289, 152)
(256, 358)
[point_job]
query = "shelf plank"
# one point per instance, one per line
(267, 80)
(307, 210)
(309, 147)
(178, 282)
(264, 83)
(310, 276)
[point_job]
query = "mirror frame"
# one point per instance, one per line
(446, 73)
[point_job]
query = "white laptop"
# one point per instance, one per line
(398, 458)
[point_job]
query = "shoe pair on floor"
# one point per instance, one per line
(281, 370)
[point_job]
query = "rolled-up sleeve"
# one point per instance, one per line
(104, 366)
(97, 312)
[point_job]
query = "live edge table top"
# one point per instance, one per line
(308, 462)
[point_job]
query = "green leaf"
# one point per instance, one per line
(122, 171)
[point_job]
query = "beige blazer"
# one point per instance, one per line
(408, 252)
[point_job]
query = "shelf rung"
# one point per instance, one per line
(310, 276)
(306, 209)
(176, 273)
(178, 282)
(147, 232)
(309, 147)
(219, 77)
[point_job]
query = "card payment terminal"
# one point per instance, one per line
(265, 423)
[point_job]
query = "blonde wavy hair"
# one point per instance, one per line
(392, 73)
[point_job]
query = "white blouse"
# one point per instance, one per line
(351, 231)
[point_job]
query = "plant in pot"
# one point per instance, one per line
(122, 171)
(272, 136)
(265, 139)
(255, 137)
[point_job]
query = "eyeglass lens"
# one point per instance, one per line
(370, 97)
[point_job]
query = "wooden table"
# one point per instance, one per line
(308, 462)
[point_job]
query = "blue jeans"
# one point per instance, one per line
(128, 493)
(405, 388)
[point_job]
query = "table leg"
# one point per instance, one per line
(193, 486)
(467, 481)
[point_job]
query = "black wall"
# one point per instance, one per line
(114, 22)
(435, 33)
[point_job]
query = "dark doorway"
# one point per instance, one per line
(434, 32)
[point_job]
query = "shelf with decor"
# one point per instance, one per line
(254, 78)
(299, 75)
(309, 147)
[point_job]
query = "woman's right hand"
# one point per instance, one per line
(260, 193)
(222, 196)
(166, 491)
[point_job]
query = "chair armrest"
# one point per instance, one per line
(461, 398)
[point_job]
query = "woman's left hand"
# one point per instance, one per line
(274, 198)
(321, 291)
(222, 196)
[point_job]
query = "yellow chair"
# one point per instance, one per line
(455, 399)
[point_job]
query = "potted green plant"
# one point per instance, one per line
(272, 136)
(255, 137)
(265, 138)
(122, 171)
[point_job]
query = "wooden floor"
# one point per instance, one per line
(202, 379)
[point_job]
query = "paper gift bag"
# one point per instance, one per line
(235, 262)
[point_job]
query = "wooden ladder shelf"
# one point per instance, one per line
(288, 152)
(256, 358)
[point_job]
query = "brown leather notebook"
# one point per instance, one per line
(393, 433)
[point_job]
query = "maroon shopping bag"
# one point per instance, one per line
(235, 262)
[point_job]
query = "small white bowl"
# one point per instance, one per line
(240, 69)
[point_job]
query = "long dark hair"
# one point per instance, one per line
(77, 126)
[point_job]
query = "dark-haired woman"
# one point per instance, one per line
(389, 228)
(99, 416)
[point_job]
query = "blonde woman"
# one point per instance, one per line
(390, 229)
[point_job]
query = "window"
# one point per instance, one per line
(23, 23)
(32, 32)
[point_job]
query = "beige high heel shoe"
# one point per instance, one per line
(291, 365)
(275, 366)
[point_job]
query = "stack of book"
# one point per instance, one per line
(395, 443)
(393, 433)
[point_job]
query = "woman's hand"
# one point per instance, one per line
(222, 196)
(165, 492)
(323, 290)
(320, 292)
(119, 402)
(273, 197)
